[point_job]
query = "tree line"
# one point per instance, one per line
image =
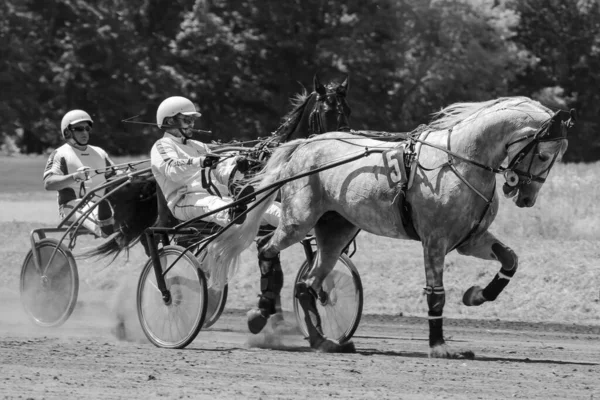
(241, 61)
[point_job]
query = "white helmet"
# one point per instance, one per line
(73, 117)
(173, 106)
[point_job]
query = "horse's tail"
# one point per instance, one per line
(113, 246)
(134, 210)
(223, 253)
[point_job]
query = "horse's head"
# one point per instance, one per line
(323, 110)
(531, 162)
(330, 111)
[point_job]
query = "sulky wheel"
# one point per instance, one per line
(172, 322)
(340, 303)
(49, 293)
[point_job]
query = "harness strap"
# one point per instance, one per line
(474, 229)
(462, 178)
(208, 184)
(488, 203)
(82, 191)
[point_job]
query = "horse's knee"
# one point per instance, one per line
(507, 258)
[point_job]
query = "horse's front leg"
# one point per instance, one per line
(488, 247)
(436, 298)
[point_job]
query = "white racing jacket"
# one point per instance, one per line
(176, 167)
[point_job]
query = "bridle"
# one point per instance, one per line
(316, 125)
(553, 130)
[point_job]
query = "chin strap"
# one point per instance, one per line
(78, 142)
(184, 137)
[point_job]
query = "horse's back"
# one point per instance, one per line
(363, 190)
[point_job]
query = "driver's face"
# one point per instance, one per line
(185, 120)
(180, 125)
(81, 132)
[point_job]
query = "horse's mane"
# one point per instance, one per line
(455, 113)
(293, 117)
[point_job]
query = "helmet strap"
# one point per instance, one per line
(184, 137)
(72, 137)
(78, 142)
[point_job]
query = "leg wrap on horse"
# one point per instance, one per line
(509, 261)
(105, 218)
(271, 282)
(436, 299)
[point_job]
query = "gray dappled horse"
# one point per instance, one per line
(452, 198)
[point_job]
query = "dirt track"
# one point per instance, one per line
(82, 359)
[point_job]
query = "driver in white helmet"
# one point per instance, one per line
(70, 171)
(178, 165)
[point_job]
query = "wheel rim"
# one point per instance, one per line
(49, 296)
(175, 323)
(341, 307)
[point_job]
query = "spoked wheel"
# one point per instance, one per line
(49, 294)
(174, 322)
(340, 302)
(216, 298)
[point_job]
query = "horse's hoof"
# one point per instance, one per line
(474, 296)
(256, 320)
(443, 351)
(330, 346)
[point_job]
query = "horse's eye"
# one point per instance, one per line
(543, 157)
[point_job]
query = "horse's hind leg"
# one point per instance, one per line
(488, 247)
(271, 280)
(333, 233)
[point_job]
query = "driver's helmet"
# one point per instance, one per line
(73, 117)
(173, 106)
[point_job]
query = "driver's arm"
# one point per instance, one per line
(56, 176)
(167, 160)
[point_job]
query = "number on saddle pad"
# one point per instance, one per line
(393, 161)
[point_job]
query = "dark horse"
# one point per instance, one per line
(135, 205)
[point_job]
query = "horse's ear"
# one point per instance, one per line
(319, 88)
(572, 118)
(345, 84)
